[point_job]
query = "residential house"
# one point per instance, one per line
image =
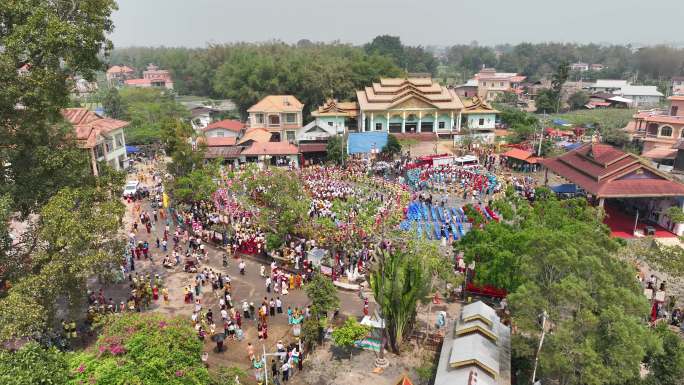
(657, 130)
(678, 85)
(642, 96)
(476, 349)
(579, 66)
(479, 119)
(118, 74)
(597, 67)
(409, 105)
(281, 115)
(492, 84)
(607, 85)
(340, 116)
(201, 116)
(224, 129)
(467, 90)
(152, 77)
(102, 137)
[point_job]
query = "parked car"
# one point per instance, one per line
(131, 188)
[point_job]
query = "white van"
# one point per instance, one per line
(131, 188)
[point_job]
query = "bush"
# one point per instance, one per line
(142, 349)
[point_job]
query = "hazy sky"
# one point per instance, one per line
(427, 22)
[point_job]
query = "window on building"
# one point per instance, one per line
(481, 122)
(260, 118)
(666, 131)
(501, 84)
(119, 140)
(330, 124)
(291, 118)
(290, 136)
(674, 110)
(442, 124)
(378, 126)
(219, 134)
(273, 120)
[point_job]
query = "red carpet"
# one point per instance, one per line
(622, 225)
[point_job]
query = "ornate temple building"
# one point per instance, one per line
(409, 105)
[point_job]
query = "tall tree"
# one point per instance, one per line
(112, 103)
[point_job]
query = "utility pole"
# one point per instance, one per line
(541, 134)
(541, 341)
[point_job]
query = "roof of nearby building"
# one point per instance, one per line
(610, 83)
(88, 125)
(118, 69)
(519, 154)
(214, 141)
(201, 110)
(660, 153)
(332, 107)
(640, 91)
(678, 78)
(476, 350)
(227, 152)
(477, 105)
(491, 75)
(226, 124)
(271, 148)
(658, 117)
(134, 82)
(404, 380)
(313, 147)
(604, 171)
(410, 92)
(255, 135)
(277, 103)
(678, 98)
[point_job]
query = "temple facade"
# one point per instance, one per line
(409, 105)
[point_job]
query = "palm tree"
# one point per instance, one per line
(398, 283)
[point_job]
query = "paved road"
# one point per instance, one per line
(250, 287)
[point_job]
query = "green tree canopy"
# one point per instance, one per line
(558, 257)
(142, 349)
(322, 294)
(346, 335)
(578, 100)
(336, 149)
(33, 365)
(393, 147)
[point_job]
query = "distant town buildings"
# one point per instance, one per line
(583, 67)
(118, 74)
(152, 77)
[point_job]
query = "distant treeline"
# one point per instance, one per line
(540, 60)
(245, 72)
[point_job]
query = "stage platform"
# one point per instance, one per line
(622, 225)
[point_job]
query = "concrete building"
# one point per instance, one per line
(409, 105)
(102, 137)
(152, 77)
(491, 84)
(642, 96)
(607, 85)
(658, 131)
(678, 85)
(117, 75)
(281, 115)
(227, 128)
(341, 117)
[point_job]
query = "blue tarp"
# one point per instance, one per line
(564, 189)
(132, 149)
(560, 122)
(572, 146)
(364, 142)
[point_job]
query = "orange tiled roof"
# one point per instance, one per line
(88, 125)
(277, 103)
(227, 124)
(118, 69)
(256, 134)
(271, 148)
(218, 141)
